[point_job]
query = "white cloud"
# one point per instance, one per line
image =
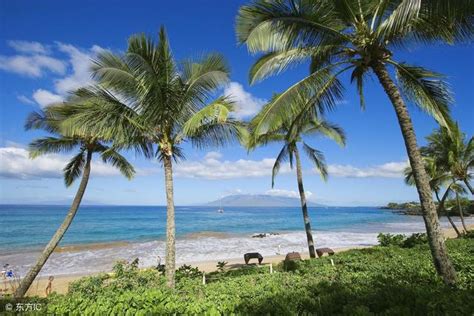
(32, 66)
(212, 166)
(287, 193)
(387, 170)
(246, 104)
(35, 59)
(17, 164)
(28, 47)
(44, 97)
(25, 99)
(80, 62)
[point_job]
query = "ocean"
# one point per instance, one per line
(101, 235)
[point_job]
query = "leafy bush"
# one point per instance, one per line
(414, 240)
(187, 271)
(372, 281)
(221, 266)
(386, 240)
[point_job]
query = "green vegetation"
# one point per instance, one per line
(339, 39)
(448, 159)
(381, 280)
(403, 241)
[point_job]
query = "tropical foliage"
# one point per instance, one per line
(359, 37)
(86, 145)
(449, 162)
(148, 102)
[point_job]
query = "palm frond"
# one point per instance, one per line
(284, 155)
(358, 76)
(203, 76)
(450, 21)
(323, 87)
(214, 113)
(275, 25)
(427, 90)
(74, 168)
(317, 158)
(110, 155)
(277, 61)
(400, 21)
(328, 129)
(52, 145)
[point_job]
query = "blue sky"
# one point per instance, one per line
(44, 50)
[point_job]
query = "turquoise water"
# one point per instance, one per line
(25, 227)
(203, 233)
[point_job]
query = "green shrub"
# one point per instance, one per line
(386, 240)
(414, 240)
(187, 271)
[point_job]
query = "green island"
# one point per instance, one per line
(413, 208)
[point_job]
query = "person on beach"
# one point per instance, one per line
(49, 288)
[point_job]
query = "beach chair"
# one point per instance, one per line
(253, 255)
(321, 251)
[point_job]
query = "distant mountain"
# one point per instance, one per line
(243, 200)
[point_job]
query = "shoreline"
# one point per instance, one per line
(61, 282)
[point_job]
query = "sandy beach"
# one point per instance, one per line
(61, 283)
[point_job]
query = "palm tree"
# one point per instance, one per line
(291, 133)
(85, 144)
(360, 36)
(452, 153)
(147, 101)
(438, 180)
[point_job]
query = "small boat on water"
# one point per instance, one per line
(220, 210)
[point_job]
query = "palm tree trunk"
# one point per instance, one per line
(469, 186)
(461, 214)
(442, 210)
(438, 248)
(170, 264)
(304, 207)
(58, 235)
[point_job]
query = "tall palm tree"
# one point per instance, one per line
(361, 36)
(438, 180)
(147, 101)
(453, 153)
(85, 145)
(292, 133)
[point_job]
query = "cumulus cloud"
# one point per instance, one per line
(287, 193)
(80, 61)
(16, 164)
(213, 167)
(28, 47)
(246, 103)
(45, 97)
(32, 65)
(386, 170)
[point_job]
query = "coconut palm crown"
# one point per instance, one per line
(453, 153)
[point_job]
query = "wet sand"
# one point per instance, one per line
(61, 283)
